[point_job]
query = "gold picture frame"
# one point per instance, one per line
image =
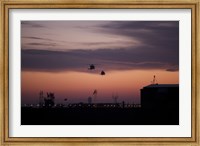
(127, 4)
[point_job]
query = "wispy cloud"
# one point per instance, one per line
(106, 34)
(42, 44)
(32, 24)
(173, 68)
(37, 38)
(151, 33)
(123, 45)
(78, 60)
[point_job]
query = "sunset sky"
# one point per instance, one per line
(55, 56)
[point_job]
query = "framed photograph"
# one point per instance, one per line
(104, 72)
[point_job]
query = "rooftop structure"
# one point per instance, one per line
(160, 96)
(161, 85)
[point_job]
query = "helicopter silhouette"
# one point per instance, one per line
(91, 67)
(102, 73)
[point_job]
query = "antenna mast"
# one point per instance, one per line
(115, 98)
(154, 80)
(95, 95)
(41, 98)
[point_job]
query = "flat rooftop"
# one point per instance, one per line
(161, 85)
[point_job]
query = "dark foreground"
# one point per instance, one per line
(98, 116)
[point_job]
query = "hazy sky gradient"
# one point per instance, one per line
(130, 52)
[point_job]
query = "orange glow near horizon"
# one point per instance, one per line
(78, 86)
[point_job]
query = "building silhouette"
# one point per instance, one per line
(160, 96)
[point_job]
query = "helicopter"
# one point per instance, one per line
(91, 67)
(102, 73)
